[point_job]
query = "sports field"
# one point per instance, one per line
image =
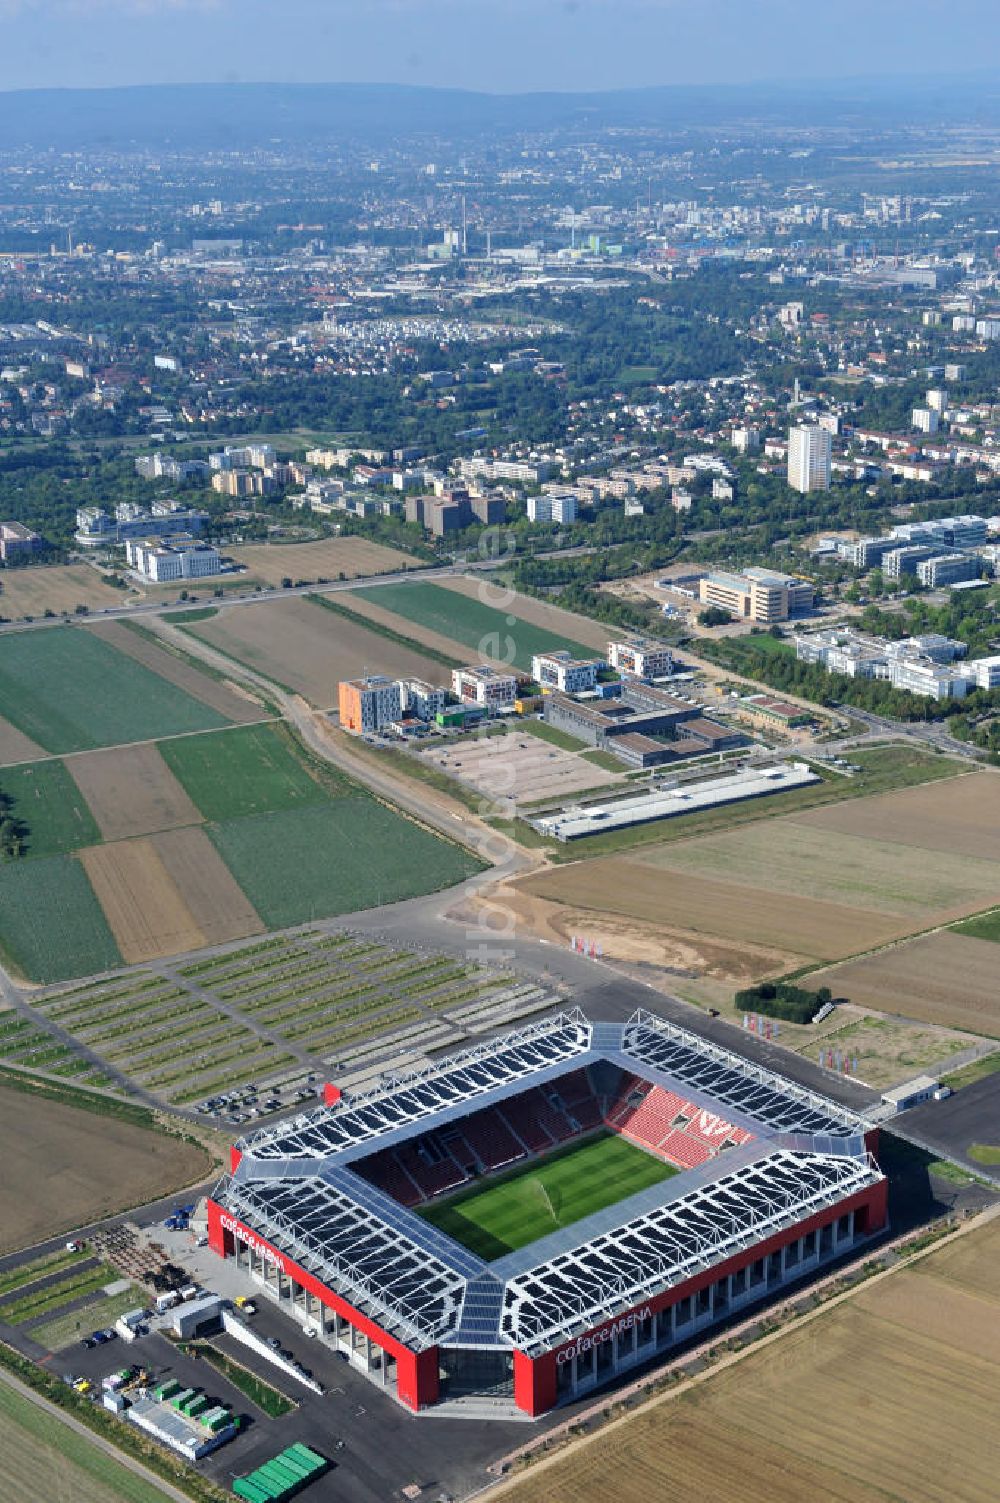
(510, 1210)
(478, 626)
(69, 691)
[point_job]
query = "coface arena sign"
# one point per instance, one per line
(242, 1235)
(602, 1334)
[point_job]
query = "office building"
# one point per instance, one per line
(809, 458)
(369, 704)
(641, 657)
(760, 595)
(560, 670)
(183, 557)
(947, 568)
(420, 698)
(484, 686)
(18, 542)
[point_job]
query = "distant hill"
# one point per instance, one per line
(241, 115)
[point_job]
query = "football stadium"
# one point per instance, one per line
(518, 1224)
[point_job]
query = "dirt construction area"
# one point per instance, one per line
(518, 766)
(889, 1394)
(309, 649)
(131, 791)
(64, 1168)
(950, 979)
(328, 559)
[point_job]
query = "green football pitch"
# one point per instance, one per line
(508, 1211)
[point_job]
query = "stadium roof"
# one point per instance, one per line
(295, 1186)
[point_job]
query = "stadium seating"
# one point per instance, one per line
(491, 1140)
(653, 1119)
(386, 1173)
(619, 1108)
(685, 1152)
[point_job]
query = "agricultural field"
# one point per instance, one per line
(273, 1009)
(957, 817)
(15, 746)
(331, 558)
(53, 810)
(207, 838)
(251, 771)
(44, 1458)
(56, 587)
(308, 650)
(811, 885)
(540, 613)
(64, 1167)
(51, 924)
(129, 791)
(889, 1394)
(299, 865)
(228, 698)
(944, 978)
(510, 1210)
(70, 691)
(482, 628)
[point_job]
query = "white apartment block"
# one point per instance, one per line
(640, 657)
(925, 419)
(558, 507)
(484, 686)
(809, 458)
(746, 440)
(560, 670)
(180, 558)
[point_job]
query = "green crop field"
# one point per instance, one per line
(45, 799)
(69, 691)
(51, 925)
(338, 857)
(478, 626)
(509, 1211)
(251, 770)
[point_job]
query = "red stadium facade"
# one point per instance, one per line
(789, 1190)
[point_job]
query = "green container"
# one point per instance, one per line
(245, 1487)
(178, 1400)
(167, 1390)
(197, 1405)
(314, 1462)
(295, 1466)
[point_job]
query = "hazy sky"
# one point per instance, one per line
(499, 45)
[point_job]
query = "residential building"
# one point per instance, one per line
(746, 440)
(559, 507)
(809, 458)
(925, 419)
(18, 542)
(369, 704)
(484, 686)
(947, 568)
(760, 595)
(560, 670)
(525, 471)
(453, 510)
(641, 657)
(183, 557)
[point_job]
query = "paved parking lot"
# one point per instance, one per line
(518, 766)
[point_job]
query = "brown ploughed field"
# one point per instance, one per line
(142, 903)
(131, 791)
(950, 979)
(890, 1394)
(959, 816)
(309, 649)
(56, 587)
(15, 746)
(209, 887)
(64, 1168)
(328, 559)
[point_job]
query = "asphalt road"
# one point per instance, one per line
(949, 1128)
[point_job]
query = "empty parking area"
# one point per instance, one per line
(518, 766)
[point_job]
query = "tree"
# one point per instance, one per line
(714, 615)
